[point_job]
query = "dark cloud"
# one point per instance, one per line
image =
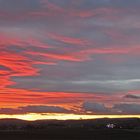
(123, 109)
(129, 96)
(34, 109)
(127, 108)
(96, 108)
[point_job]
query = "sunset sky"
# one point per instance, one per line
(79, 57)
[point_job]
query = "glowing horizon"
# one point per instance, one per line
(55, 116)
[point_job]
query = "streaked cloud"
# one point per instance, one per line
(73, 55)
(33, 109)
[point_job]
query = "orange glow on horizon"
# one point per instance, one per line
(62, 116)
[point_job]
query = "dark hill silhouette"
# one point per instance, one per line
(126, 123)
(125, 129)
(12, 122)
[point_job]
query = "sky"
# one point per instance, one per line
(78, 57)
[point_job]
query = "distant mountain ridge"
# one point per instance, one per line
(9, 121)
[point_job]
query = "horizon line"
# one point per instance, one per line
(61, 116)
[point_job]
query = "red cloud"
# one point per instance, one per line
(53, 56)
(18, 65)
(69, 40)
(19, 97)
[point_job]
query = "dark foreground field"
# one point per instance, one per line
(125, 129)
(71, 134)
